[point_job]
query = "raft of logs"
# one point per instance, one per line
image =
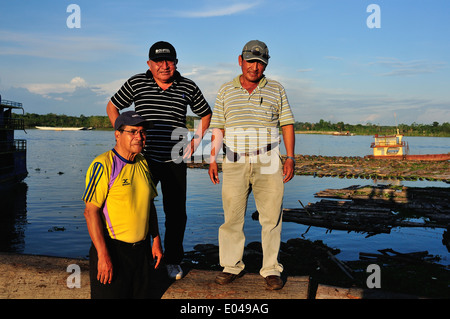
(375, 209)
(354, 167)
(376, 169)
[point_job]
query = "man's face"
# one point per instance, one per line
(252, 71)
(131, 139)
(162, 70)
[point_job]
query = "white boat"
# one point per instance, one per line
(52, 128)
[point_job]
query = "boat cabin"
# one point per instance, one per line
(12, 151)
(389, 145)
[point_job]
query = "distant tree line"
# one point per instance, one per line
(102, 122)
(434, 129)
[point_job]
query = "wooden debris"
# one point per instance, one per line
(375, 209)
(392, 255)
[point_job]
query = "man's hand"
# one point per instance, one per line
(288, 170)
(157, 251)
(104, 269)
(213, 172)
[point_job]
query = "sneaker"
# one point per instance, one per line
(174, 272)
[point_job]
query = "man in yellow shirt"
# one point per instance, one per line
(121, 216)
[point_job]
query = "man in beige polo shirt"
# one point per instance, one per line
(247, 113)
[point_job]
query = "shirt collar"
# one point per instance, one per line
(176, 76)
(237, 82)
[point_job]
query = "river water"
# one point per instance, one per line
(46, 218)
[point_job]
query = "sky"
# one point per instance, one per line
(351, 61)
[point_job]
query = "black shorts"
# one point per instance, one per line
(132, 270)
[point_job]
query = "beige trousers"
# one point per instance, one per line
(262, 175)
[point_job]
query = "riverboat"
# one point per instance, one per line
(393, 147)
(52, 128)
(13, 152)
(342, 133)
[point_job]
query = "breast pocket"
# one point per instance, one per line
(270, 111)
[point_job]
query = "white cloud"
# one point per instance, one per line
(210, 78)
(206, 9)
(219, 11)
(51, 88)
(396, 67)
(74, 48)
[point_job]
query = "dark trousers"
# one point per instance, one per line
(132, 270)
(172, 177)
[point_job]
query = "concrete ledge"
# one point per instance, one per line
(331, 292)
(41, 277)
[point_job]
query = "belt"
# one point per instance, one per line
(232, 156)
(130, 245)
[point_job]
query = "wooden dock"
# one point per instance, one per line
(199, 284)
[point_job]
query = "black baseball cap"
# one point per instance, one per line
(162, 51)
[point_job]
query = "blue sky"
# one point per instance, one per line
(333, 66)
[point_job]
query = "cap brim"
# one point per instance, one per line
(250, 57)
(163, 57)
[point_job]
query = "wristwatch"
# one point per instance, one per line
(291, 157)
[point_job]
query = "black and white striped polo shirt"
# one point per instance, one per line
(166, 109)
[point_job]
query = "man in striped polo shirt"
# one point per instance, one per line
(247, 113)
(161, 95)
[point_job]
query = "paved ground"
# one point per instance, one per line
(40, 277)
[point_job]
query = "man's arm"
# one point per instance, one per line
(289, 144)
(216, 145)
(95, 228)
(154, 232)
(198, 136)
(112, 112)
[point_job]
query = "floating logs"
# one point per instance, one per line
(375, 209)
(378, 169)
(354, 167)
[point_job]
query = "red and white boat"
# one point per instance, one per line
(393, 147)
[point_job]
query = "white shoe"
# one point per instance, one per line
(174, 271)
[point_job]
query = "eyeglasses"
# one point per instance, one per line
(135, 132)
(257, 53)
(160, 63)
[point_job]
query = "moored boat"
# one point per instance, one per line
(55, 128)
(13, 152)
(393, 147)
